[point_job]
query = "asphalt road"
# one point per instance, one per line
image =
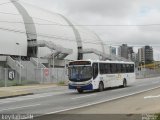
(143, 103)
(63, 100)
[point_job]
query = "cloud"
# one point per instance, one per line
(113, 12)
(101, 7)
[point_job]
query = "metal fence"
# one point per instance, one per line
(147, 73)
(10, 77)
(25, 76)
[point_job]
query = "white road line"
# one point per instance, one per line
(147, 97)
(103, 101)
(83, 96)
(7, 109)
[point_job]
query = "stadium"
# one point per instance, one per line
(32, 38)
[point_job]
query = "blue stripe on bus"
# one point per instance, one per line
(86, 87)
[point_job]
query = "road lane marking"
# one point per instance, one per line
(102, 101)
(148, 97)
(83, 96)
(7, 109)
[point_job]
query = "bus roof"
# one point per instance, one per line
(107, 61)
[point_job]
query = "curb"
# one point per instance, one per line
(12, 96)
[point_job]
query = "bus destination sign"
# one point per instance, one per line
(80, 63)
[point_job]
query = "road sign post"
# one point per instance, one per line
(46, 72)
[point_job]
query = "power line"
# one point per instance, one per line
(46, 36)
(9, 2)
(13, 22)
(89, 25)
(58, 24)
(96, 25)
(53, 23)
(84, 42)
(9, 13)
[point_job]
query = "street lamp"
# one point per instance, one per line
(18, 44)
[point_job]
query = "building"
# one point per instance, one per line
(34, 38)
(145, 55)
(148, 54)
(130, 53)
(26, 25)
(134, 57)
(113, 50)
(141, 55)
(125, 51)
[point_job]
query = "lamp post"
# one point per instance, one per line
(18, 44)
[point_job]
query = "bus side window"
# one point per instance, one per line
(101, 68)
(95, 70)
(128, 68)
(132, 68)
(123, 68)
(107, 68)
(118, 68)
(110, 68)
(113, 68)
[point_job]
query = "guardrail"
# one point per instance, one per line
(37, 63)
(16, 65)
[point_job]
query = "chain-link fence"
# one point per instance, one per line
(147, 73)
(10, 77)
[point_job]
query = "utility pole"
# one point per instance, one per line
(18, 44)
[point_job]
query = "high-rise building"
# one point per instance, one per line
(141, 55)
(148, 54)
(125, 51)
(130, 53)
(113, 50)
(145, 55)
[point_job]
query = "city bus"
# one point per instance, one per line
(98, 75)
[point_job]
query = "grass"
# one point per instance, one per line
(16, 83)
(158, 116)
(61, 83)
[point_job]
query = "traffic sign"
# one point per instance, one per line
(46, 71)
(11, 74)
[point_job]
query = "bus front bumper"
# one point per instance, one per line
(84, 87)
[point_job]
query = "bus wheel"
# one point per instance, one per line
(80, 91)
(124, 83)
(101, 87)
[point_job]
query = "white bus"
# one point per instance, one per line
(98, 75)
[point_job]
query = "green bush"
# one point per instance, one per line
(2, 83)
(61, 83)
(158, 116)
(16, 83)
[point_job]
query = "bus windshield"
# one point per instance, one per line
(80, 73)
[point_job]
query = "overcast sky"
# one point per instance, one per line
(134, 22)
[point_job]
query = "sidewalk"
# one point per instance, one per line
(14, 91)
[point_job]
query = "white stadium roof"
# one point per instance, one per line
(20, 22)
